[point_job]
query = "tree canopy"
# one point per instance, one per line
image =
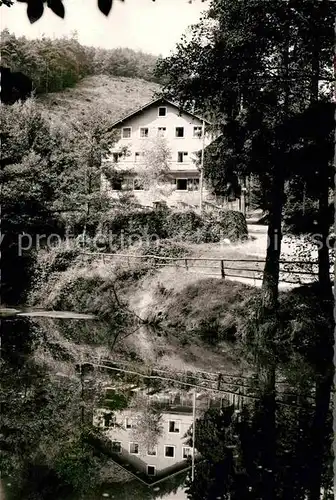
(252, 65)
(54, 65)
(35, 8)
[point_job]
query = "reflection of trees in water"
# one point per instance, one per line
(147, 424)
(235, 449)
(48, 442)
(49, 446)
(270, 450)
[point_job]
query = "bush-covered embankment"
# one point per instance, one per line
(122, 228)
(225, 311)
(210, 310)
(64, 280)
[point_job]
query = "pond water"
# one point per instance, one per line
(83, 418)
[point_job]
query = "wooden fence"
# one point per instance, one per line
(293, 272)
(237, 389)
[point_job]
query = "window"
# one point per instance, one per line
(116, 447)
(197, 132)
(127, 184)
(151, 470)
(134, 448)
(138, 156)
(162, 131)
(144, 132)
(128, 423)
(162, 111)
(174, 426)
(186, 452)
(180, 156)
(116, 185)
(179, 132)
(152, 452)
(181, 184)
(186, 184)
(126, 132)
(169, 451)
(109, 420)
(193, 184)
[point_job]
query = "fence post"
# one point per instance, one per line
(186, 263)
(222, 269)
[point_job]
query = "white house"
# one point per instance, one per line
(169, 454)
(183, 134)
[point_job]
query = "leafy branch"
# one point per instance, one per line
(35, 8)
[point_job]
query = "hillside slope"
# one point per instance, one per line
(117, 95)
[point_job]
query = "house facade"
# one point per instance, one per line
(170, 452)
(182, 134)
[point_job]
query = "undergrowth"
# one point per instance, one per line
(213, 310)
(64, 282)
(218, 311)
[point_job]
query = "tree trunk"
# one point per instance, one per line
(267, 379)
(323, 252)
(319, 431)
(270, 282)
(323, 198)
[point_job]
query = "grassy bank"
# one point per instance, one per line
(187, 307)
(179, 305)
(63, 280)
(211, 309)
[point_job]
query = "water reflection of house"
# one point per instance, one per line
(171, 452)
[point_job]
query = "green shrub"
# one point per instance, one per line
(49, 265)
(133, 223)
(210, 230)
(129, 276)
(181, 226)
(233, 225)
(78, 294)
(63, 259)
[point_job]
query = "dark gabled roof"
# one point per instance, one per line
(158, 100)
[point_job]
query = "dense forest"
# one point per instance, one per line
(56, 64)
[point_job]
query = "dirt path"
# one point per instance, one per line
(253, 249)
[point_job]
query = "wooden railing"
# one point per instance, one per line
(293, 272)
(237, 389)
